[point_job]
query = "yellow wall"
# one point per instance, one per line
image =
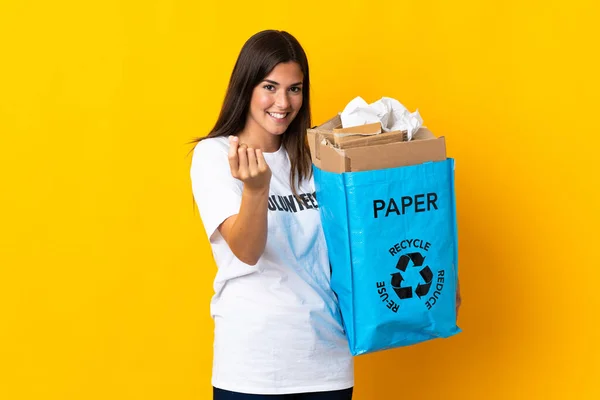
(105, 274)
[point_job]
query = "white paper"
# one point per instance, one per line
(392, 115)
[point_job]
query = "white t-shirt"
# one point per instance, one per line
(278, 328)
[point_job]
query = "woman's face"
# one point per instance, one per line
(276, 100)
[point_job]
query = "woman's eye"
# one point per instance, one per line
(269, 87)
(296, 89)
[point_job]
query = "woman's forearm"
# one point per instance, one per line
(246, 232)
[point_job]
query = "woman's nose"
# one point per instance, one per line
(282, 100)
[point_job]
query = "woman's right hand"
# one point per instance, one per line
(249, 166)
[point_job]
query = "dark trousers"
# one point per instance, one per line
(345, 394)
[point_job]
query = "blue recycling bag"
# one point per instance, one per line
(392, 240)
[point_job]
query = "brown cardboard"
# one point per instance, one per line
(348, 142)
(365, 156)
(373, 128)
(357, 136)
(344, 137)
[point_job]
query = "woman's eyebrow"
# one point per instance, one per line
(277, 84)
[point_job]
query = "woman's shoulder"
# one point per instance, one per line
(212, 149)
(210, 153)
(210, 145)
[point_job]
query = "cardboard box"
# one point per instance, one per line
(370, 151)
(364, 135)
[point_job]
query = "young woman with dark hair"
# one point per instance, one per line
(278, 329)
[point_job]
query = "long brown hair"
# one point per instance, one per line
(258, 57)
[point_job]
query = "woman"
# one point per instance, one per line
(278, 330)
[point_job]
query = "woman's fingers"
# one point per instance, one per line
(260, 160)
(243, 161)
(233, 154)
(252, 166)
(248, 164)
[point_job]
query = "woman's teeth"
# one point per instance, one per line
(276, 115)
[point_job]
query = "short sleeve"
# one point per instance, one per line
(218, 195)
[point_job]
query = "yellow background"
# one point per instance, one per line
(105, 272)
